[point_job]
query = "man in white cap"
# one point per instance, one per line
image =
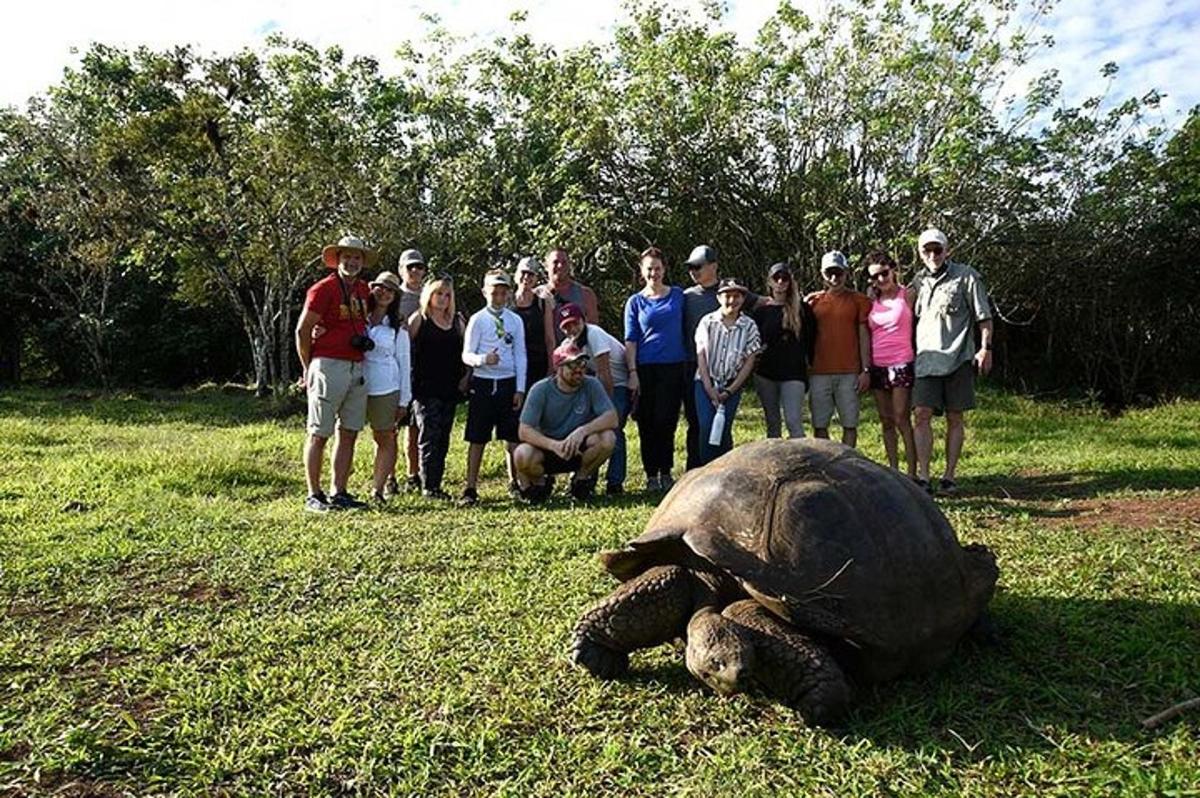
(494, 348)
(412, 271)
(950, 300)
(842, 354)
(333, 368)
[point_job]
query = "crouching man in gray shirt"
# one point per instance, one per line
(567, 425)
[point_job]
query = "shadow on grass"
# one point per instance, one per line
(1066, 667)
(216, 406)
(1077, 484)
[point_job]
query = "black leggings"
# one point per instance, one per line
(658, 414)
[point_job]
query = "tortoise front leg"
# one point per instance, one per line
(792, 667)
(647, 610)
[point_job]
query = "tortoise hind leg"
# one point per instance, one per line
(791, 666)
(651, 608)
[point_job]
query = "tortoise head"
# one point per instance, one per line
(720, 652)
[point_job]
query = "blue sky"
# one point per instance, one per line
(1156, 43)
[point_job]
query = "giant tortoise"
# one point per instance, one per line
(790, 565)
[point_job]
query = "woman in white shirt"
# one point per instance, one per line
(607, 362)
(388, 372)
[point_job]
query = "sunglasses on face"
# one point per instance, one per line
(880, 274)
(782, 277)
(834, 274)
(933, 249)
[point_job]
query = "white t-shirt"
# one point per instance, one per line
(598, 342)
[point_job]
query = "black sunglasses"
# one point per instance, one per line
(781, 277)
(933, 249)
(879, 275)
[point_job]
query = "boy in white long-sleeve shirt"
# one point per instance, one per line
(494, 348)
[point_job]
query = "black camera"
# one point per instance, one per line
(362, 343)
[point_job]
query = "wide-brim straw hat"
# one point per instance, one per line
(331, 252)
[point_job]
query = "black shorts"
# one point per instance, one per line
(553, 464)
(490, 407)
(954, 391)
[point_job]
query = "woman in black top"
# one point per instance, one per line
(787, 328)
(531, 307)
(439, 378)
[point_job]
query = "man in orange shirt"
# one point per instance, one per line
(843, 350)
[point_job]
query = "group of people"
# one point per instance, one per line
(540, 374)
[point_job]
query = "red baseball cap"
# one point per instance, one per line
(568, 352)
(566, 313)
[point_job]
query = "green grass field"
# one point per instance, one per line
(174, 623)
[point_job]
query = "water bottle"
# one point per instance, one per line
(718, 426)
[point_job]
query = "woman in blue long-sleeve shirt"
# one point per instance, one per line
(654, 344)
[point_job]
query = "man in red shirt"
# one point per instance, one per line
(333, 369)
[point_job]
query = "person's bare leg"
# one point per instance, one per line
(474, 460)
(850, 436)
(923, 437)
(883, 403)
(599, 449)
(955, 432)
(529, 463)
(343, 458)
(314, 456)
(414, 454)
(385, 458)
(509, 463)
(900, 415)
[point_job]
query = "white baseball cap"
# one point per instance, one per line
(932, 236)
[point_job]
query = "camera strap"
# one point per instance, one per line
(346, 297)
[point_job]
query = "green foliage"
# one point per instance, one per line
(218, 178)
(173, 623)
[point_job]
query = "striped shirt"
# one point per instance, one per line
(726, 347)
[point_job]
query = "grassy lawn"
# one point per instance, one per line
(172, 622)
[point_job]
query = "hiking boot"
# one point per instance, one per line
(665, 482)
(614, 489)
(947, 486)
(469, 498)
(317, 503)
(413, 484)
(344, 501)
(378, 499)
(514, 489)
(583, 489)
(436, 493)
(391, 487)
(924, 485)
(652, 484)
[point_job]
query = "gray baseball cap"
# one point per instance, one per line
(410, 256)
(833, 260)
(701, 255)
(529, 264)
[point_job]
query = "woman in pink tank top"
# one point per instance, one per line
(891, 326)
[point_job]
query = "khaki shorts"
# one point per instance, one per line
(381, 411)
(336, 391)
(953, 391)
(826, 391)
